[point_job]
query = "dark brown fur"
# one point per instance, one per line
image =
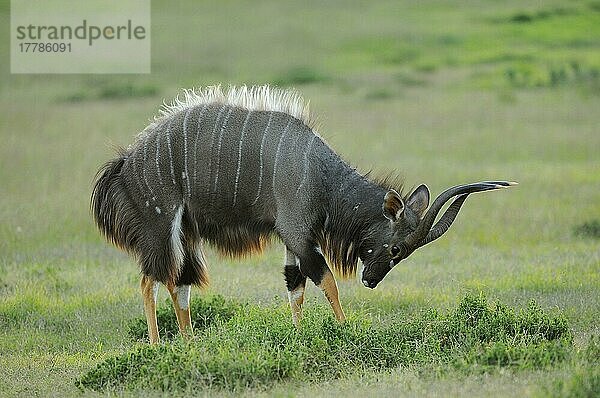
(122, 224)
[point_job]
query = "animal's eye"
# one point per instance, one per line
(395, 250)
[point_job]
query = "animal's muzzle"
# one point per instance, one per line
(370, 283)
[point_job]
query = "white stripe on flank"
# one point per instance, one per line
(157, 162)
(219, 148)
(185, 154)
(144, 168)
(239, 162)
(183, 296)
(176, 244)
(170, 152)
(262, 145)
(196, 147)
(212, 142)
(279, 149)
(306, 152)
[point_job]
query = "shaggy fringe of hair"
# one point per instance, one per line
(390, 180)
(339, 241)
(238, 242)
(341, 255)
(112, 209)
(253, 98)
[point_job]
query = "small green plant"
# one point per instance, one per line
(258, 346)
(126, 91)
(594, 6)
(379, 94)
(298, 76)
(590, 229)
(410, 80)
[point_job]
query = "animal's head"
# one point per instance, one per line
(409, 225)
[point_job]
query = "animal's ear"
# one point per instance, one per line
(393, 205)
(418, 201)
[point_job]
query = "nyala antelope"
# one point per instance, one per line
(234, 167)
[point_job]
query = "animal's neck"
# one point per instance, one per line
(354, 207)
(354, 195)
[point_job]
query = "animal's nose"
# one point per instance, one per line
(370, 283)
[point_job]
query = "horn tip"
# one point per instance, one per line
(505, 184)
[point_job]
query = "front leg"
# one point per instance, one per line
(314, 266)
(329, 287)
(295, 283)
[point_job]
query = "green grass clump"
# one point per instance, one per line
(530, 74)
(258, 346)
(584, 381)
(528, 17)
(499, 336)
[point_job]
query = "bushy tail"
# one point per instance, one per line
(113, 210)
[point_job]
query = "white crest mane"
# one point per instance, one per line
(254, 98)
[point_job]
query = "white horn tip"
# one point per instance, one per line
(506, 184)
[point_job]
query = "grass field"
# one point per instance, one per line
(442, 93)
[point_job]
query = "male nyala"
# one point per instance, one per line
(234, 168)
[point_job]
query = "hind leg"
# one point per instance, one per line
(193, 272)
(295, 283)
(180, 294)
(162, 256)
(149, 289)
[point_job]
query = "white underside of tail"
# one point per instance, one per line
(176, 234)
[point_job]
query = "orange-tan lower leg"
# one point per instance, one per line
(149, 289)
(330, 289)
(181, 304)
(296, 282)
(296, 298)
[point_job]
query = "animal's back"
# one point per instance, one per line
(232, 169)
